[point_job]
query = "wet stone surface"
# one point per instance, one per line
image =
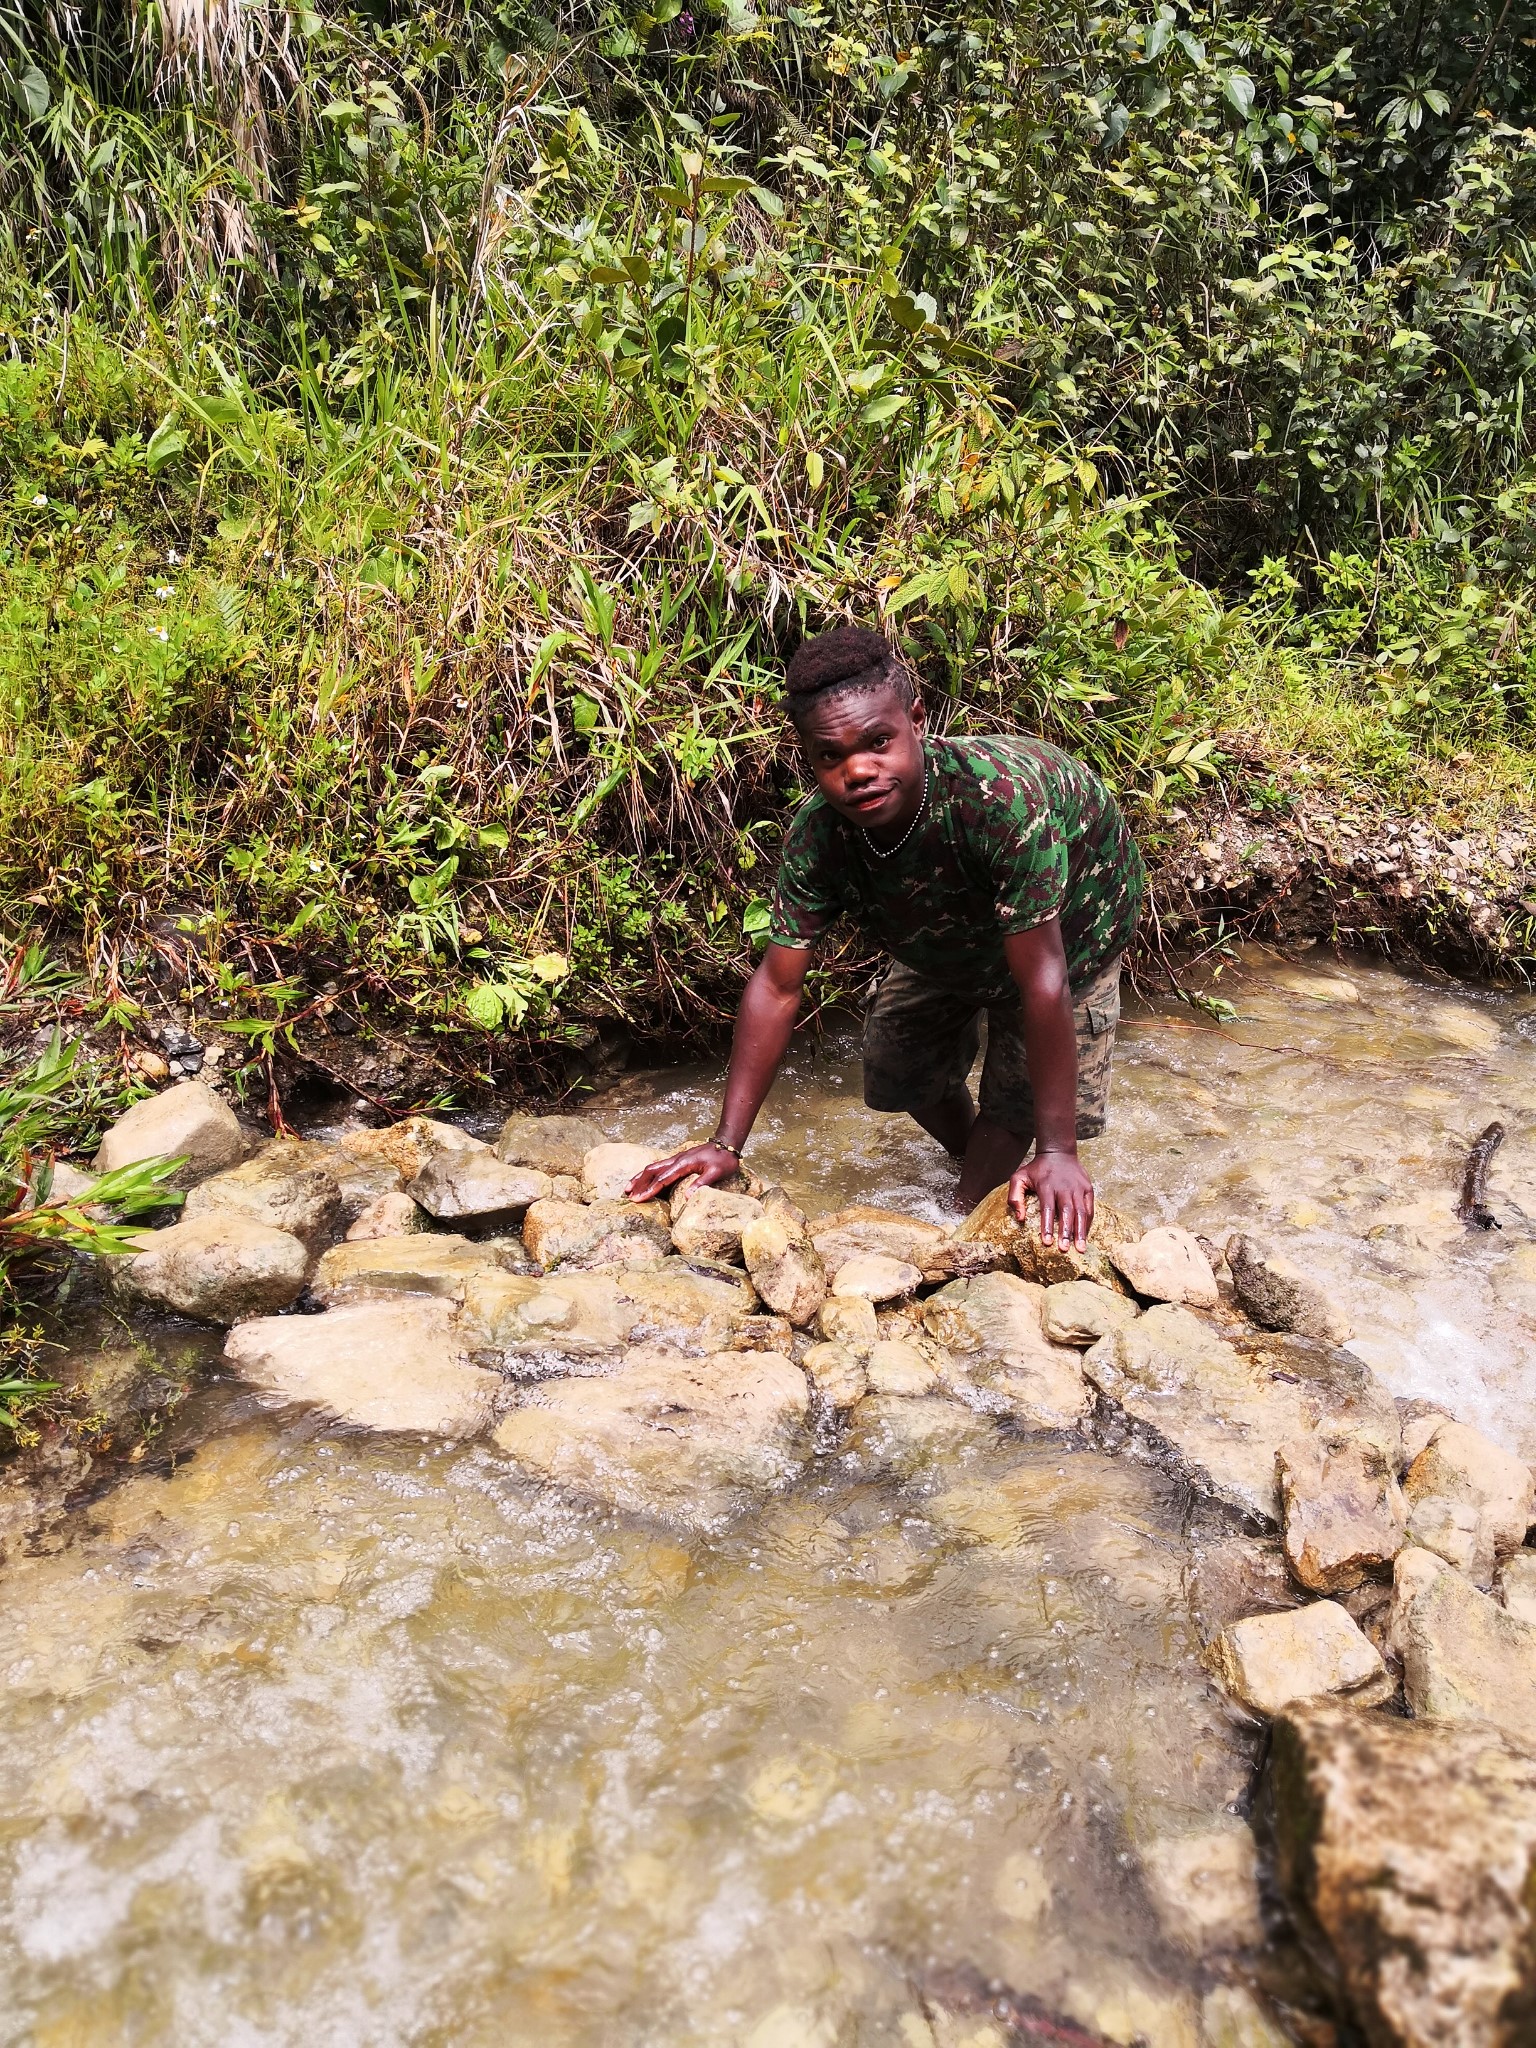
(312, 1736)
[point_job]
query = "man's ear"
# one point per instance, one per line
(918, 715)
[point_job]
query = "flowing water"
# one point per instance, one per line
(316, 1739)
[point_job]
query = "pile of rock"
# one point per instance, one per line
(670, 1358)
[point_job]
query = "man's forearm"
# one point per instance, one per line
(1050, 1043)
(765, 1024)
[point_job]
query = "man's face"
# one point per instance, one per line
(865, 749)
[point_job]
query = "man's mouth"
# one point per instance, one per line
(871, 799)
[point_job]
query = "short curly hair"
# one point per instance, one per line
(846, 658)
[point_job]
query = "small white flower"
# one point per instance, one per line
(161, 633)
(41, 498)
(171, 555)
(165, 590)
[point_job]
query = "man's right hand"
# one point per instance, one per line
(710, 1163)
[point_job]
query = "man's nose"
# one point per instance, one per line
(861, 768)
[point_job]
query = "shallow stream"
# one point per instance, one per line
(318, 1739)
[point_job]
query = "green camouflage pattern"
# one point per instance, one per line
(1014, 832)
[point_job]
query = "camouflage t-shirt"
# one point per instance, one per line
(1014, 832)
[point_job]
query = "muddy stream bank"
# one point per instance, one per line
(313, 1736)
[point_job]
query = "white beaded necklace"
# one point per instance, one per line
(890, 852)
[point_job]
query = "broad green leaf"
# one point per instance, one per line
(483, 1005)
(165, 444)
(31, 90)
(885, 407)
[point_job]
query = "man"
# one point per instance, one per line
(1001, 876)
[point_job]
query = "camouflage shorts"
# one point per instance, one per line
(921, 1040)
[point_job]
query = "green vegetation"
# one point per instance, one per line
(36, 1220)
(427, 427)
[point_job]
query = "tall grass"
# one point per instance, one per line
(427, 436)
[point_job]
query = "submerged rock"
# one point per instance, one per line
(1204, 1888)
(418, 1263)
(1277, 1295)
(1344, 1512)
(456, 1185)
(709, 1223)
(1269, 1661)
(188, 1121)
(864, 1231)
(1231, 2017)
(1405, 1852)
(215, 1269)
(391, 1215)
(1469, 1501)
(1226, 1413)
(1463, 1654)
(684, 1440)
(874, 1277)
(551, 1144)
(1167, 1264)
(901, 1433)
(388, 1365)
(992, 1328)
(281, 1187)
(784, 1264)
(1081, 1312)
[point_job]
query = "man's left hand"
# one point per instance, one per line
(1065, 1195)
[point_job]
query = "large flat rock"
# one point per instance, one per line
(552, 1144)
(284, 1185)
(1406, 1851)
(214, 1269)
(687, 1441)
(187, 1122)
(455, 1186)
(387, 1365)
(586, 1315)
(1225, 1412)
(420, 1262)
(992, 1327)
